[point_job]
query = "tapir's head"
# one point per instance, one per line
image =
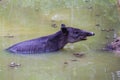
(75, 34)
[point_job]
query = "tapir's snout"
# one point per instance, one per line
(90, 33)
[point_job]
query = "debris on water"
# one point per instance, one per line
(14, 65)
(8, 36)
(54, 25)
(65, 62)
(97, 24)
(111, 29)
(90, 7)
(107, 30)
(97, 15)
(74, 60)
(102, 29)
(114, 46)
(86, 0)
(78, 55)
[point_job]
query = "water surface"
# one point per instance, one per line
(24, 20)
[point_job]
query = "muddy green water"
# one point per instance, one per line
(24, 20)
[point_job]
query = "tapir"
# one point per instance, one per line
(51, 43)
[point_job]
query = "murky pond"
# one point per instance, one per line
(24, 20)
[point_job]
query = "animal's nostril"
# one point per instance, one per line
(90, 34)
(93, 33)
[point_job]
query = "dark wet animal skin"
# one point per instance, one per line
(51, 43)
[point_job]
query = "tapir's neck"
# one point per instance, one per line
(62, 39)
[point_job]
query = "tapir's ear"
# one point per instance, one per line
(64, 29)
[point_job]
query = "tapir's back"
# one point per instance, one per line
(30, 46)
(48, 43)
